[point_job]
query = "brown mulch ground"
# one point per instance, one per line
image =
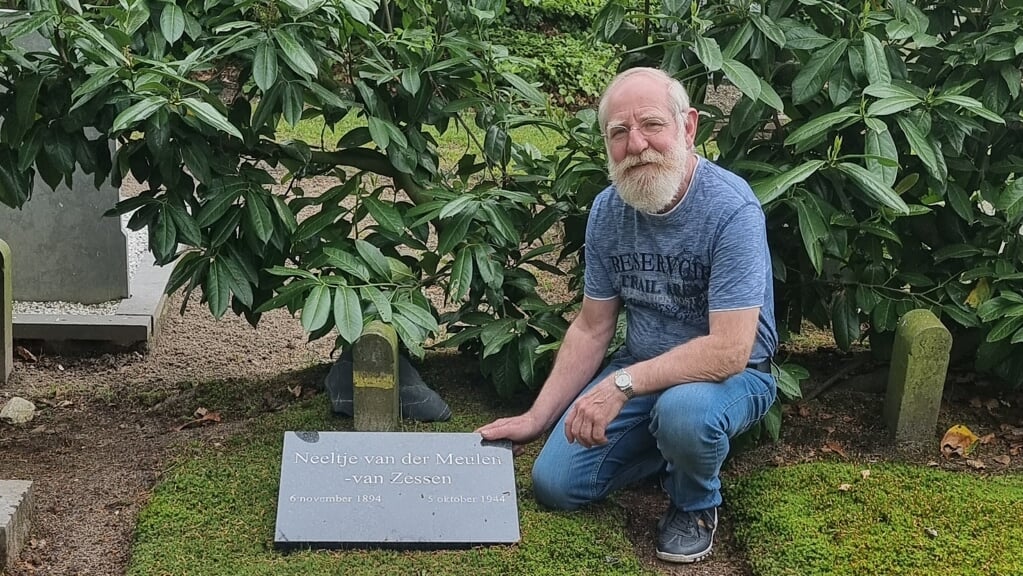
(108, 427)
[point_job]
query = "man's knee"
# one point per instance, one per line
(685, 416)
(553, 488)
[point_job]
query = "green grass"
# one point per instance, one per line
(214, 512)
(900, 520)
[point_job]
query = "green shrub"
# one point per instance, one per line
(570, 67)
(883, 141)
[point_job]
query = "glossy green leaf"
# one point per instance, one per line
(347, 262)
(461, 275)
(264, 65)
(385, 214)
(771, 188)
(818, 127)
(295, 56)
(347, 313)
(1004, 328)
(922, 146)
(745, 80)
(886, 106)
(770, 97)
(811, 77)
(812, 229)
(137, 112)
(217, 288)
(316, 309)
(499, 219)
(874, 61)
(210, 116)
(374, 258)
(259, 217)
(845, 322)
(419, 316)
(172, 22)
(186, 226)
(524, 89)
(216, 206)
(881, 144)
(771, 30)
(873, 186)
(379, 300)
(709, 53)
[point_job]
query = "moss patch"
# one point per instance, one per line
(214, 514)
(898, 520)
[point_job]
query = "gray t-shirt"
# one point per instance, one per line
(707, 254)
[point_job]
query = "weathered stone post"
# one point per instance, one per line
(6, 314)
(375, 379)
(15, 519)
(916, 377)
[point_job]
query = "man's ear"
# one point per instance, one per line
(692, 117)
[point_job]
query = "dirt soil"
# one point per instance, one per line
(108, 426)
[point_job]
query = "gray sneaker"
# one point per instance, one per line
(686, 536)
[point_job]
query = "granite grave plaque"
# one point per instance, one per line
(395, 490)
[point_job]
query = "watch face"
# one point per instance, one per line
(622, 379)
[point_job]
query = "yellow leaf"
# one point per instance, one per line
(980, 294)
(958, 441)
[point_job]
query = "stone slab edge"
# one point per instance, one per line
(135, 320)
(6, 327)
(15, 519)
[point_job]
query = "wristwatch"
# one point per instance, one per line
(623, 381)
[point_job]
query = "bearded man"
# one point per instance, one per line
(681, 244)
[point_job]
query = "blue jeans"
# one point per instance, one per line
(684, 431)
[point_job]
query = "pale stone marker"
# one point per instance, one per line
(917, 377)
(64, 248)
(6, 308)
(400, 490)
(375, 379)
(15, 519)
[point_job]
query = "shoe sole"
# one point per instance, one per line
(684, 558)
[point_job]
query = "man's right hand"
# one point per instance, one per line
(521, 430)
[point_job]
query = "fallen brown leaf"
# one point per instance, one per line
(296, 391)
(992, 404)
(976, 464)
(1004, 459)
(865, 474)
(25, 354)
(845, 487)
(931, 532)
(834, 447)
(987, 438)
(804, 411)
(203, 416)
(958, 441)
(934, 463)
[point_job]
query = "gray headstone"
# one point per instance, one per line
(395, 490)
(64, 248)
(15, 519)
(917, 377)
(6, 315)
(375, 378)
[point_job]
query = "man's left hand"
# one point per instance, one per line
(591, 413)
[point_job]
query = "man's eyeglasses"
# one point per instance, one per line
(648, 128)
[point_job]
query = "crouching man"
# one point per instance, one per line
(681, 244)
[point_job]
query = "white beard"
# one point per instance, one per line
(653, 188)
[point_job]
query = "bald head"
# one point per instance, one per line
(675, 95)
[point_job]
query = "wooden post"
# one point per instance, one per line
(375, 379)
(6, 314)
(917, 377)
